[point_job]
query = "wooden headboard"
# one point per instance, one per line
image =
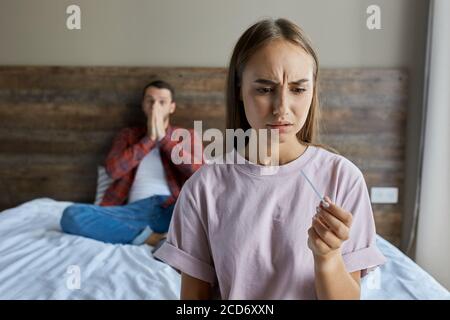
(57, 124)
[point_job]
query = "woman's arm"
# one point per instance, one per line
(194, 289)
(332, 281)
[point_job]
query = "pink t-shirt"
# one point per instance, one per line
(244, 229)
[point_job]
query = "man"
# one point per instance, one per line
(138, 205)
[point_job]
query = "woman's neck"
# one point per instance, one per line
(290, 152)
(287, 151)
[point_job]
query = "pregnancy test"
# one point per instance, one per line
(314, 188)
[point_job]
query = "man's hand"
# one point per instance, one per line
(155, 124)
(330, 228)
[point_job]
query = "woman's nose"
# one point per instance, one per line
(280, 104)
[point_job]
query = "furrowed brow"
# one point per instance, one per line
(271, 82)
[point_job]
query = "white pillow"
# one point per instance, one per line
(103, 183)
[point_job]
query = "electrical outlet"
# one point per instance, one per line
(384, 195)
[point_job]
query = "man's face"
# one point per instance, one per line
(158, 97)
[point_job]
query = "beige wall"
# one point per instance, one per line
(197, 32)
(203, 32)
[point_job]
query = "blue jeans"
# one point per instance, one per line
(128, 224)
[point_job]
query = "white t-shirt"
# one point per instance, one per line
(150, 179)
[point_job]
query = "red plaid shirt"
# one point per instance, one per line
(130, 146)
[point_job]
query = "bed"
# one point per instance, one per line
(38, 261)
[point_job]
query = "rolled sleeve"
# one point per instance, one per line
(184, 262)
(360, 251)
(187, 248)
(365, 260)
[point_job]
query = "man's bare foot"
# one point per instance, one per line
(155, 238)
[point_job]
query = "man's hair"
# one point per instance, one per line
(160, 85)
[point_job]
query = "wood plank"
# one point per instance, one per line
(362, 120)
(39, 165)
(388, 223)
(380, 146)
(111, 78)
(97, 117)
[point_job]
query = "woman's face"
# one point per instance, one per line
(277, 88)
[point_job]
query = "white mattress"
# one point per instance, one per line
(37, 261)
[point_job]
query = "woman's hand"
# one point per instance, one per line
(330, 228)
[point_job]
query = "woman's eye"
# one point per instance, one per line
(299, 90)
(264, 90)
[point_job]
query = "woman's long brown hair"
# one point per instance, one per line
(253, 39)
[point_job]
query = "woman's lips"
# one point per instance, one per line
(280, 127)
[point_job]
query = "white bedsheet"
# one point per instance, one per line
(37, 259)
(400, 278)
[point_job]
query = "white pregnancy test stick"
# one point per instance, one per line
(312, 186)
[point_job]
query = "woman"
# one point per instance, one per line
(240, 233)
